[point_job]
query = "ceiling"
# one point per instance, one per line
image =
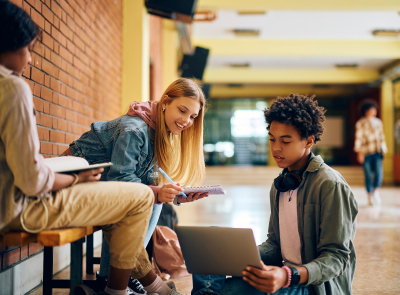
(299, 46)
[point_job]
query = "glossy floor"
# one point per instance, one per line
(377, 239)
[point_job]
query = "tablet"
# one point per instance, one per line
(218, 250)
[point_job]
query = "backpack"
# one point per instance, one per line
(167, 255)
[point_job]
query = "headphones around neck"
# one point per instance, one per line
(287, 180)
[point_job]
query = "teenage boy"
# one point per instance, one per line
(34, 198)
(310, 248)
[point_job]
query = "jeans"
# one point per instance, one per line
(105, 251)
(373, 171)
(236, 285)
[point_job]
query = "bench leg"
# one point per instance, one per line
(76, 263)
(89, 254)
(47, 270)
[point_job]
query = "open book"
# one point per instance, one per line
(71, 164)
(210, 189)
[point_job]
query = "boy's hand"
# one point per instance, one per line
(267, 280)
(360, 158)
(191, 197)
(90, 175)
(168, 192)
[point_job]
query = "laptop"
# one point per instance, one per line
(218, 250)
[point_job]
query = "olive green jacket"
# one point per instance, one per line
(326, 211)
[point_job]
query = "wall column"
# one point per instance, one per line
(387, 107)
(136, 56)
(170, 49)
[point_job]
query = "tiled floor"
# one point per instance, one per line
(377, 239)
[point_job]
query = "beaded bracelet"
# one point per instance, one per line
(289, 274)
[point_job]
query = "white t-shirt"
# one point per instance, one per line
(288, 228)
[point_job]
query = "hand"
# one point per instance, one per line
(360, 158)
(269, 279)
(168, 192)
(90, 175)
(191, 197)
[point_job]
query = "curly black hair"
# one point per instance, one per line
(17, 29)
(366, 105)
(300, 111)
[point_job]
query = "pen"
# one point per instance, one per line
(170, 180)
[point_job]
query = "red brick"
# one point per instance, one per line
(37, 90)
(46, 107)
(39, 48)
(70, 138)
(34, 248)
(37, 75)
(55, 85)
(27, 8)
(47, 27)
(56, 136)
(47, 67)
(48, 40)
(56, 59)
(27, 72)
(67, 8)
(24, 252)
(36, 61)
(11, 257)
(47, 53)
(19, 4)
(57, 111)
(71, 23)
(56, 22)
(78, 42)
(45, 148)
(47, 94)
(47, 2)
(55, 149)
(46, 120)
(55, 8)
(66, 31)
(37, 18)
(47, 81)
(63, 16)
(64, 53)
(38, 103)
(63, 126)
(56, 35)
(56, 72)
(46, 12)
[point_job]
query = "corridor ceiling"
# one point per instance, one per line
(310, 47)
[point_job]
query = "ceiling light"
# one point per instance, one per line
(341, 66)
(246, 32)
(386, 33)
(239, 65)
(251, 12)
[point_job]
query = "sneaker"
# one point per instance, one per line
(377, 199)
(101, 282)
(171, 285)
(135, 287)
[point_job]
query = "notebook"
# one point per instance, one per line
(210, 189)
(71, 164)
(218, 250)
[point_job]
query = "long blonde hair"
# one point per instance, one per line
(181, 156)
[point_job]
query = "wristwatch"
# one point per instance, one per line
(295, 277)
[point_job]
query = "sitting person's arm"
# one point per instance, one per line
(65, 180)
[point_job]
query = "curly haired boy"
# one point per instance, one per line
(310, 248)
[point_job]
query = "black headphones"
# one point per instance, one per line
(287, 180)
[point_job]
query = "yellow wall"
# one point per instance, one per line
(387, 105)
(136, 56)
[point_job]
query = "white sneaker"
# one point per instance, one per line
(377, 201)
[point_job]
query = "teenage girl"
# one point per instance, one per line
(167, 134)
(34, 198)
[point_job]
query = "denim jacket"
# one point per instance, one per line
(125, 142)
(326, 210)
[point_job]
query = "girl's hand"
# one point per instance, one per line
(168, 192)
(90, 175)
(360, 158)
(191, 197)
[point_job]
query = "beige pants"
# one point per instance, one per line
(122, 209)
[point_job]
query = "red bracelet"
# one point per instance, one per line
(289, 275)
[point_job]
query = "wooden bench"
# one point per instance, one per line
(58, 237)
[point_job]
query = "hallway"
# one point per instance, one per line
(378, 232)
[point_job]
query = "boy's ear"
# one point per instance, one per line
(310, 141)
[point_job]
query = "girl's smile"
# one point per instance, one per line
(180, 114)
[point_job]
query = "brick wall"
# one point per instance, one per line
(75, 76)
